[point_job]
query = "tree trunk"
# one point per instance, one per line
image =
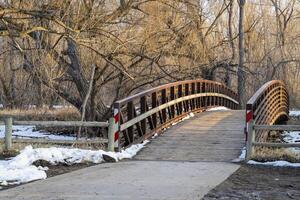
(240, 72)
(231, 42)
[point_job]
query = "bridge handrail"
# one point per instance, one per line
(168, 85)
(268, 106)
(141, 115)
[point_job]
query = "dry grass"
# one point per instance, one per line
(263, 154)
(42, 114)
(18, 146)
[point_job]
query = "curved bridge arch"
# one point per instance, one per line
(268, 106)
(141, 115)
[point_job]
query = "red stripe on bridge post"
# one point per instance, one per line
(116, 134)
(249, 117)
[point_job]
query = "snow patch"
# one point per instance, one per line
(154, 136)
(242, 157)
(279, 163)
(294, 113)
(29, 132)
(20, 169)
(219, 108)
(291, 136)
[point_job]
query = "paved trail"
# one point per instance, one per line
(184, 163)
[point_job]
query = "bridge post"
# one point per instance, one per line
(111, 134)
(8, 133)
(250, 135)
(116, 126)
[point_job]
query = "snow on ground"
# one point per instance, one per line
(20, 169)
(291, 137)
(29, 132)
(278, 163)
(242, 156)
(219, 108)
(294, 113)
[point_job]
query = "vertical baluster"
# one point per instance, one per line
(202, 98)
(186, 93)
(172, 97)
(150, 120)
(180, 95)
(143, 102)
(219, 98)
(209, 97)
(193, 101)
(213, 86)
(222, 99)
(130, 115)
(154, 104)
(163, 101)
(198, 91)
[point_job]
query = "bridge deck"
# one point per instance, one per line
(209, 136)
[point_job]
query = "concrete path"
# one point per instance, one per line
(131, 180)
(184, 163)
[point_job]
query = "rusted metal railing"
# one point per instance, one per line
(268, 106)
(139, 116)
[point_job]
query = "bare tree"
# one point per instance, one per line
(240, 72)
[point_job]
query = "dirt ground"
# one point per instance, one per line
(259, 182)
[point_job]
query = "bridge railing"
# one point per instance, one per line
(139, 116)
(268, 106)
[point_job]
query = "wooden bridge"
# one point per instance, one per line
(209, 136)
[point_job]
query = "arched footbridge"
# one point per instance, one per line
(217, 135)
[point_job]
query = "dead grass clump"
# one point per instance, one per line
(8, 154)
(42, 114)
(264, 154)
